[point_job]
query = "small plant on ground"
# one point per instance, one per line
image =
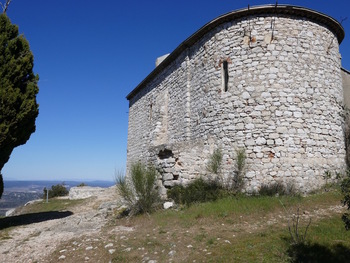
(297, 235)
(139, 191)
(198, 191)
(56, 191)
(215, 161)
(81, 185)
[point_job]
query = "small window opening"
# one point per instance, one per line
(225, 74)
(150, 111)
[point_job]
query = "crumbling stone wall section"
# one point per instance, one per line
(265, 79)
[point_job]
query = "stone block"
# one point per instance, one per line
(245, 95)
(168, 183)
(260, 141)
(250, 174)
(168, 176)
(273, 135)
(270, 142)
(281, 129)
(168, 205)
(249, 142)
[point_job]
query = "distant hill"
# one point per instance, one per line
(17, 193)
(38, 185)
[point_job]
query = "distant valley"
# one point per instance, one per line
(17, 193)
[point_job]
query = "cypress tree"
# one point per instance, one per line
(18, 90)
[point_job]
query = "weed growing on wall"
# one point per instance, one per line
(234, 183)
(215, 161)
(239, 170)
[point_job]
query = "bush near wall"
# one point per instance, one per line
(198, 191)
(345, 185)
(139, 191)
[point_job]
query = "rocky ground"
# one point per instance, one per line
(35, 242)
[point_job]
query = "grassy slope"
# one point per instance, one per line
(247, 229)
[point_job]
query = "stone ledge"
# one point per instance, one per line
(83, 192)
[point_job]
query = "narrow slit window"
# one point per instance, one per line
(150, 111)
(225, 74)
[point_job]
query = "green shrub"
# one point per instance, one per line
(56, 191)
(277, 189)
(272, 189)
(139, 190)
(197, 191)
(237, 183)
(345, 188)
(177, 193)
(345, 184)
(81, 185)
(215, 160)
(347, 136)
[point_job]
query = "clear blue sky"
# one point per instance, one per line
(89, 56)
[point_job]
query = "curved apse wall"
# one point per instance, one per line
(267, 79)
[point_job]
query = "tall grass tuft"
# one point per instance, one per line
(139, 191)
(297, 235)
(215, 161)
(239, 170)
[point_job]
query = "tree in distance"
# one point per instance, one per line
(56, 191)
(18, 90)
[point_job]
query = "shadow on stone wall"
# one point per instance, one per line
(32, 218)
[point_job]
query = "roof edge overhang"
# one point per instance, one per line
(332, 24)
(345, 70)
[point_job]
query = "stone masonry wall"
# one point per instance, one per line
(346, 87)
(283, 104)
